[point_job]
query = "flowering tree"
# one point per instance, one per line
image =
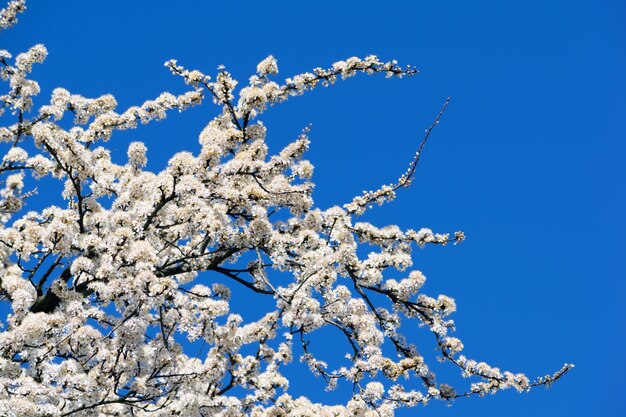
(107, 293)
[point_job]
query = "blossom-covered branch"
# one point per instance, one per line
(122, 290)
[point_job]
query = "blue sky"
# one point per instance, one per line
(528, 159)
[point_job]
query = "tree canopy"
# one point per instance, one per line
(109, 292)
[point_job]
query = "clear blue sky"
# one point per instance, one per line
(528, 160)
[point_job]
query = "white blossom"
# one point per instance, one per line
(8, 15)
(137, 154)
(116, 268)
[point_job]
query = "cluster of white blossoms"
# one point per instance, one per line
(120, 299)
(8, 15)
